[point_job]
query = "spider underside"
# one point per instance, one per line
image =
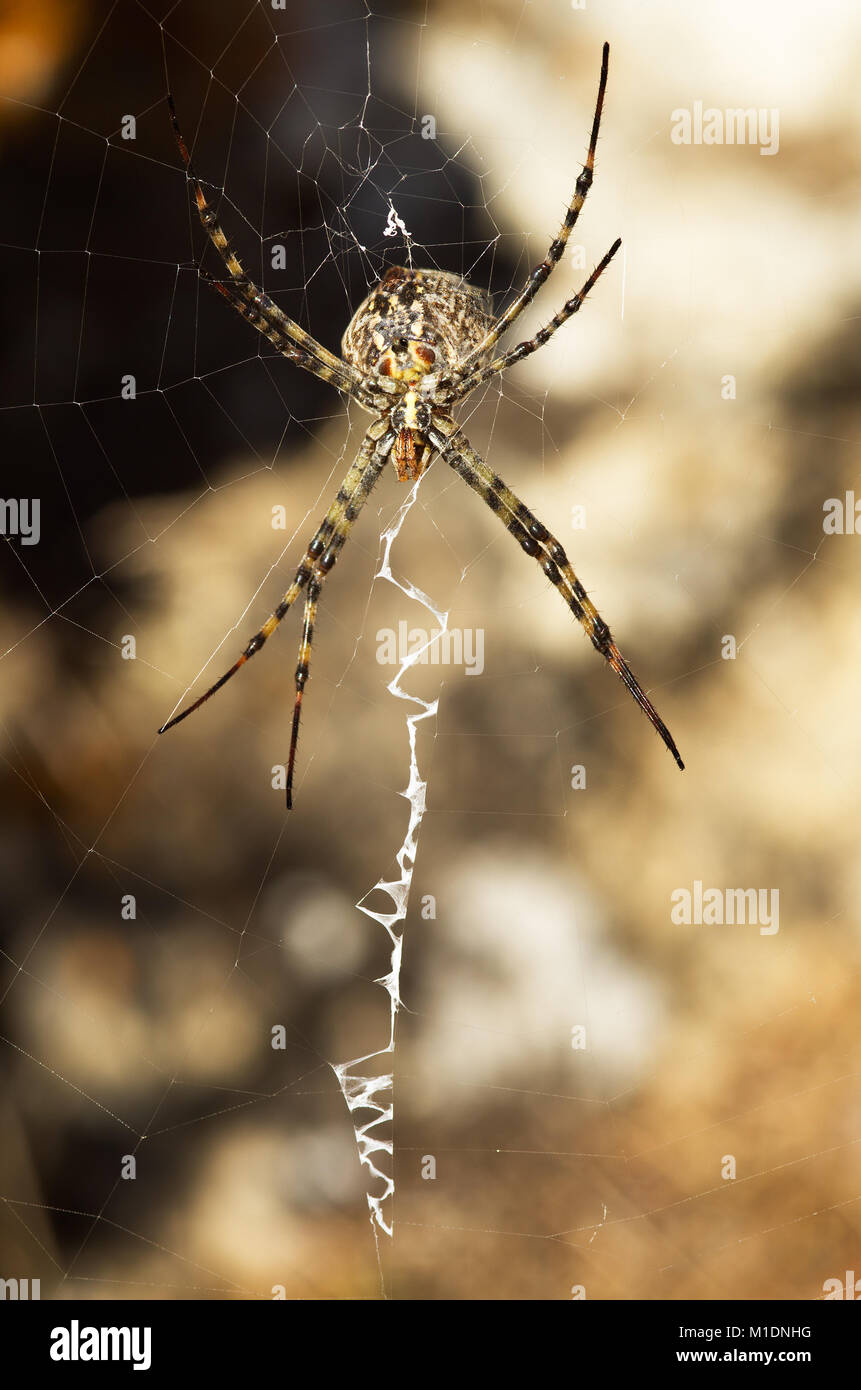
(421, 342)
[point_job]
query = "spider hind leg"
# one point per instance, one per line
(319, 558)
(302, 672)
(535, 539)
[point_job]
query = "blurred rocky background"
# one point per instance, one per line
(162, 914)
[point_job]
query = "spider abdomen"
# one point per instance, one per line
(415, 324)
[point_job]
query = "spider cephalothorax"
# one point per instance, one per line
(422, 341)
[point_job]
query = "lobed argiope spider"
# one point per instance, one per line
(421, 341)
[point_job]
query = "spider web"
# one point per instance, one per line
(532, 1080)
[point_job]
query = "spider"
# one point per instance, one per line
(422, 341)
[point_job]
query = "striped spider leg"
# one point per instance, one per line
(481, 374)
(256, 306)
(320, 555)
(422, 341)
(542, 272)
(537, 541)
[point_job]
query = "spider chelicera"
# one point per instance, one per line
(421, 342)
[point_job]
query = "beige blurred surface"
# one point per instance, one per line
(555, 1167)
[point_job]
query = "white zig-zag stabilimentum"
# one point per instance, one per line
(375, 1093)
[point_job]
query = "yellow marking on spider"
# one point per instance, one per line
(421, 358)
(410, 421)
(419, 355)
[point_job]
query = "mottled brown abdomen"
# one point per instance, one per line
(430, 309)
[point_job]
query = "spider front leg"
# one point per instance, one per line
(537, 541)
(319, 558)
(262, 311)
(508, 358)
(557, 246)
